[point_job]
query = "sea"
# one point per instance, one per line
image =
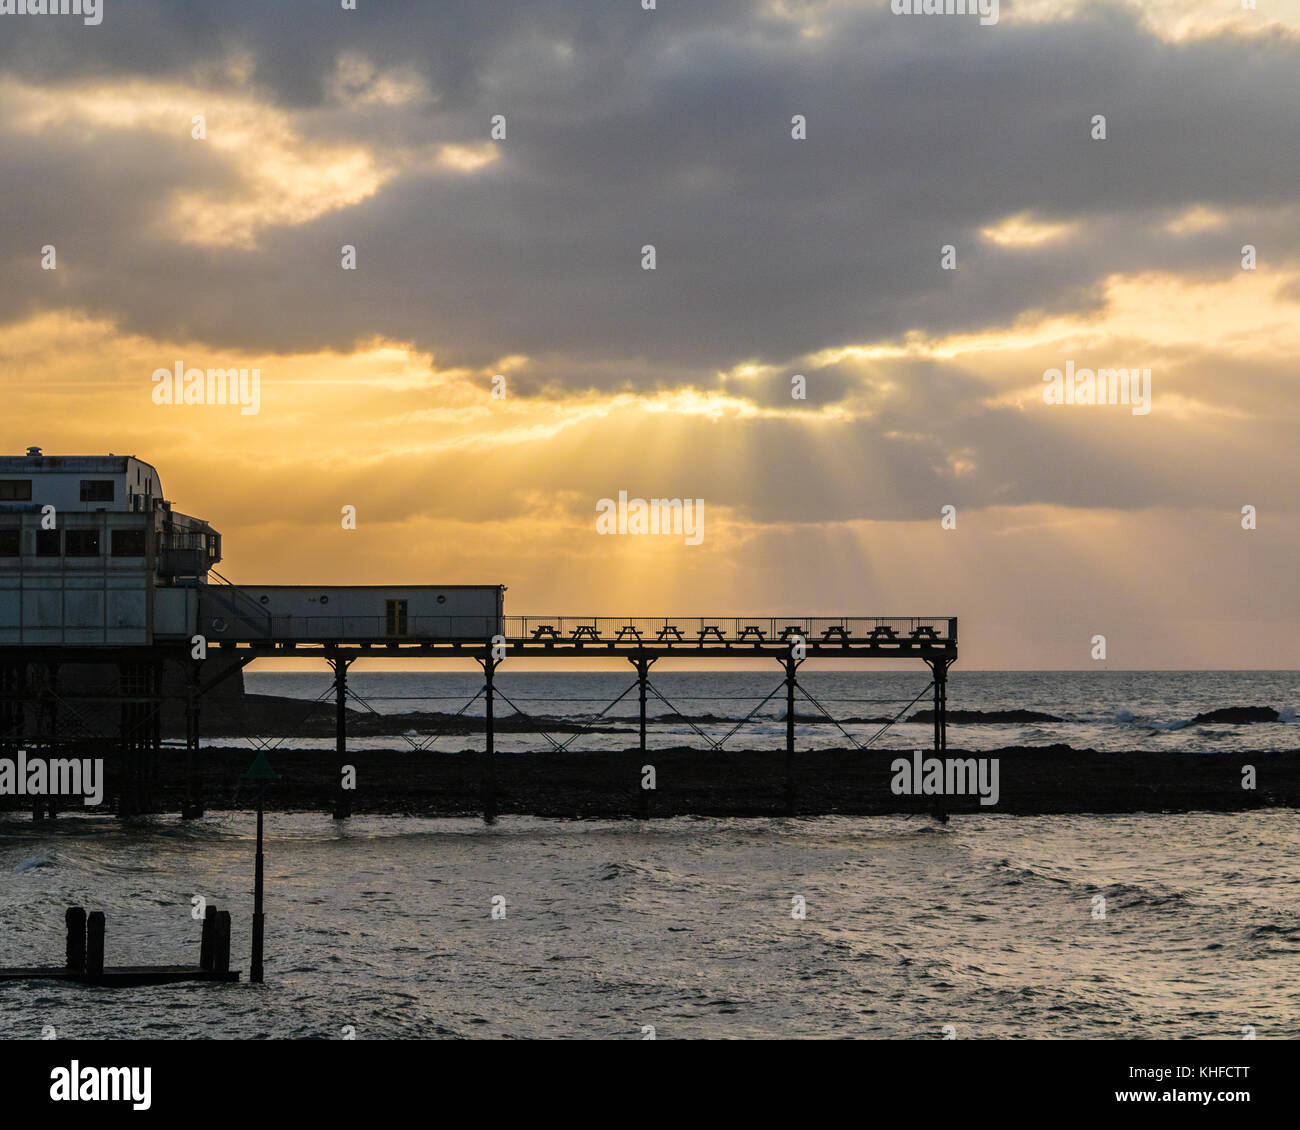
(1146, 926)
(1102, 710)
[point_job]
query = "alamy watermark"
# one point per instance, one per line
(102, 1084)
(653, 516)
(179, 385)
(1104, 386)
(90, 11)
(987, 10)
(946, 776)
(53, 776)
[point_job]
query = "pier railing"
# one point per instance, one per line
(730, 629)
(226, 620)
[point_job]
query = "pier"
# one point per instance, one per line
(117, 610)
(33, 702)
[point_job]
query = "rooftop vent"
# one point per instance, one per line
(33, 451)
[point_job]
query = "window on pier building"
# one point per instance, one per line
(9, 542)
(48, 543)
(128, 543)
(395, 617)
(97, 490)
(81, 543)
(15, 490)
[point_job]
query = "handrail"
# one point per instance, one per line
(621, 632)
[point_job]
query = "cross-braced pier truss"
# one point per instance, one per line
(38, 711)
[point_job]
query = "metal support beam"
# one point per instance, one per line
(192, 806)
(940, 669)
(791, 682)
(340, 664)
(49, 708)
(487, 780)
(642, 663)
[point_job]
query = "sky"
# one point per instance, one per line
(947, 228)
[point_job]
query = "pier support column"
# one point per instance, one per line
(340, 664)
(192, 806)
(13, 720)
(940, 669)
(487, 778)
(50, 720)
(791, 667)
(139, 734)
(642, 663)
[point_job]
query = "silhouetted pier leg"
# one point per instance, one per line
(791, 666)
(221, 942)
(342, 801)
(52, 702)
(140, 733)
(487, 781)
(192, 807)
(95, 942)
(51, 721)
(13, 709)
(75, 916)
(154, 728)
(642, 663)
(206, 938)
(940, 669)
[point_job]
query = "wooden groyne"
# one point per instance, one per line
(84, 957)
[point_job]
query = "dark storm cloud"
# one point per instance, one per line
(669, 128)
(673, 128)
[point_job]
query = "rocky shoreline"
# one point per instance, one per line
(587, 785)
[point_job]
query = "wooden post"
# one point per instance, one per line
(95, 943)
(75, 916)
(206, 938)
(221, 943)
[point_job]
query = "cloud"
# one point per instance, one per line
(521, 256)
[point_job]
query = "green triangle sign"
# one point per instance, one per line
(260, 770)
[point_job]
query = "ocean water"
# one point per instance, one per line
(384, 927)
(1103, 710)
